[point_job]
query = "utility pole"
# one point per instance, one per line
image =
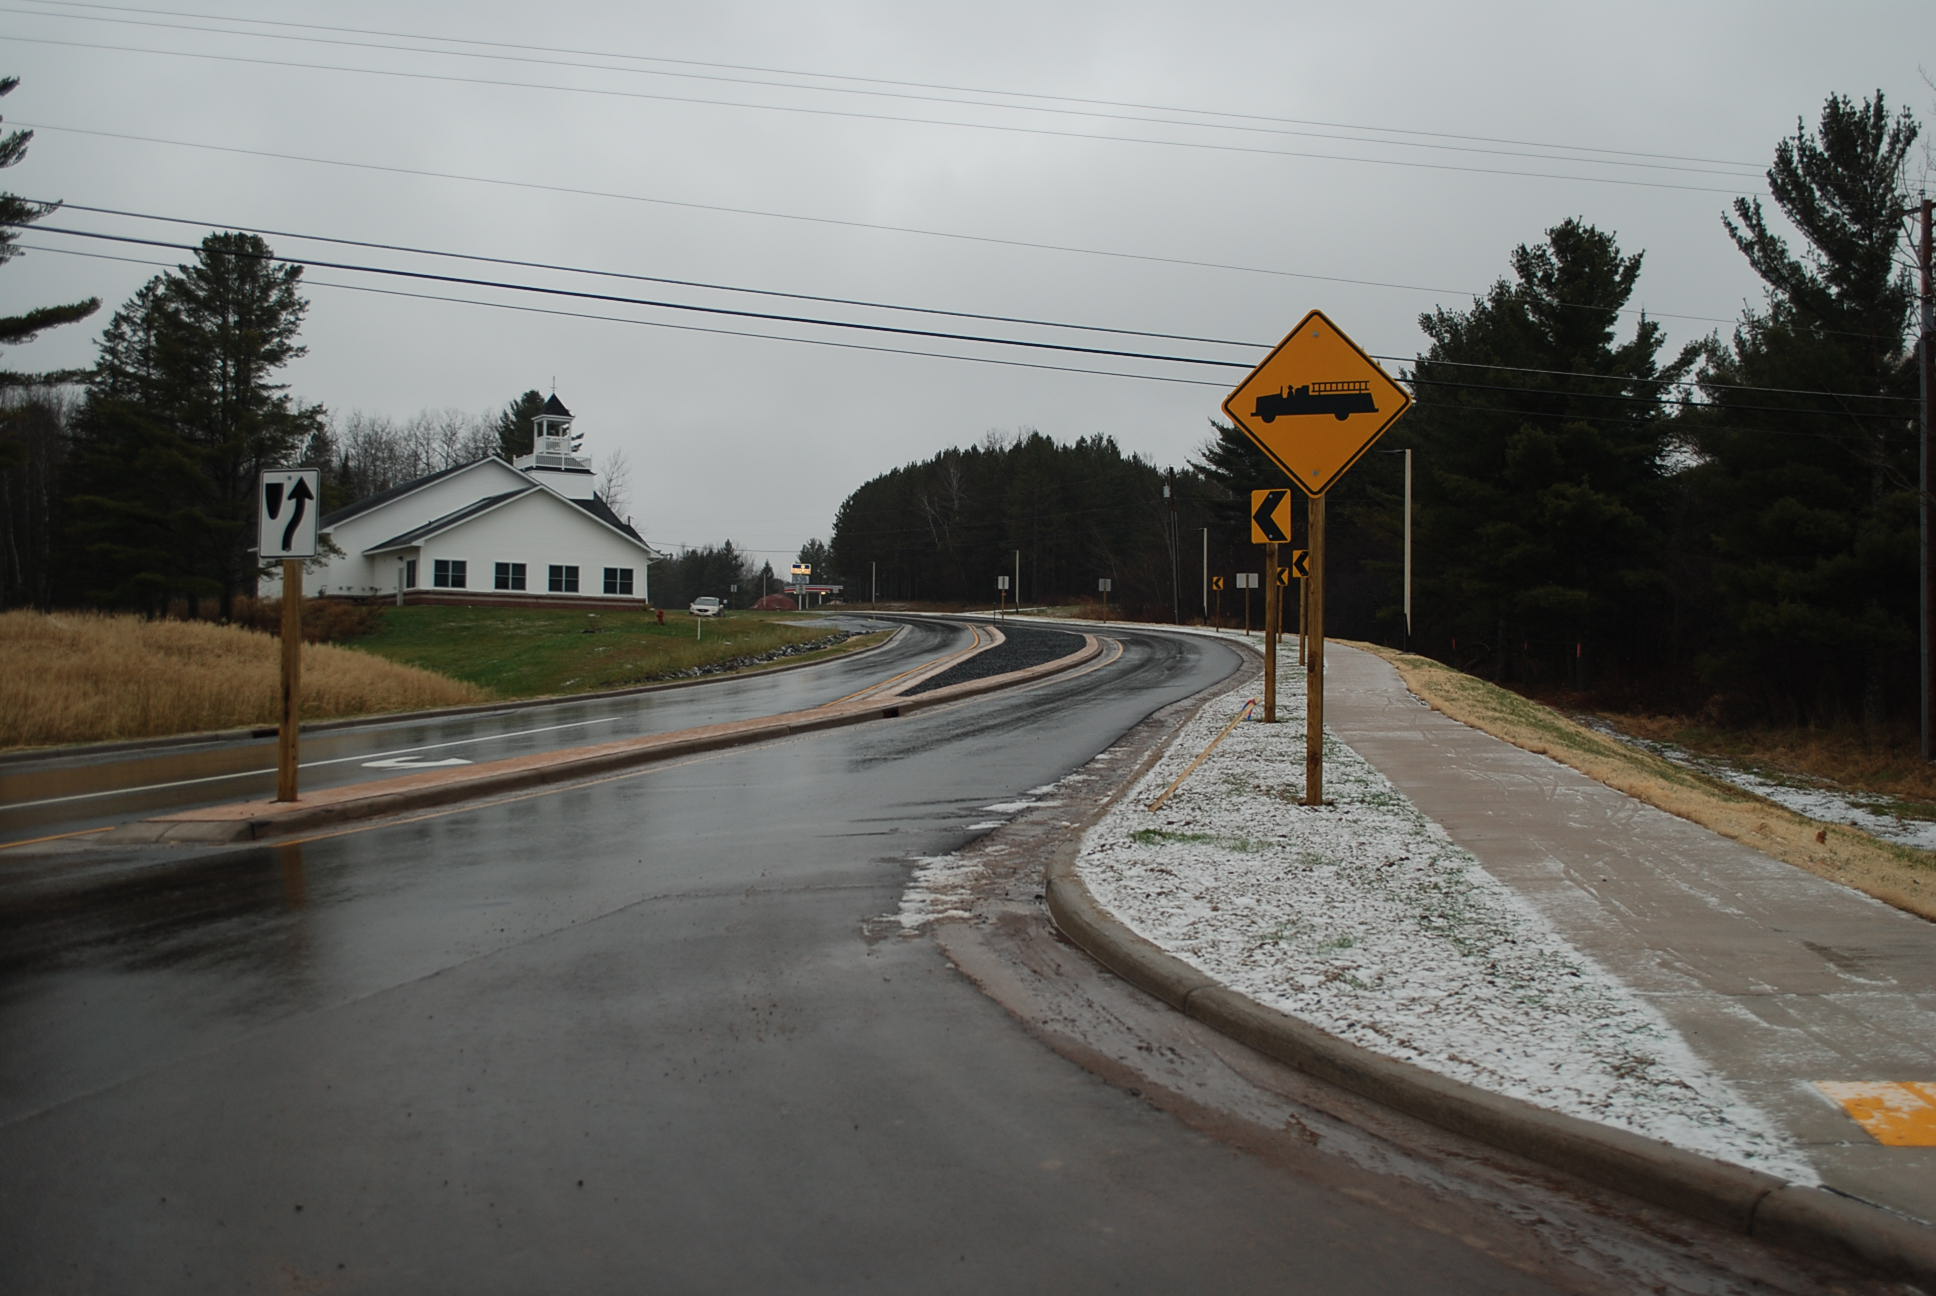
(1206, 575)
(1927, 343)
(1170, 540)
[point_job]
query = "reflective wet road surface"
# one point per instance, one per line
(87, 789)
(656, 1032)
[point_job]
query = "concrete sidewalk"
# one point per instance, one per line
(1779, 979)
(1780, 982)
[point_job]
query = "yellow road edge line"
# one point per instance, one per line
(35, 841)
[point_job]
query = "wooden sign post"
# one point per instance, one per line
(289, 500)
(287, 743)
(1314, 406)
(1314, 660)
(1273, 600)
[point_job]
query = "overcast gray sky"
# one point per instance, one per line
(1372, 161)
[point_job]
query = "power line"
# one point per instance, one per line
(854, 115)
(873, 305)
(1573, 155)
(836, 222)
(1168, 379)
(684, 328)
(635, 278)
(524, 52)
(580, 294)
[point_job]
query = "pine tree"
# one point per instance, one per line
(16, 213)
(1805, 490)
(183, 414)
(1541, 444)
(515, 431)
(32, 458)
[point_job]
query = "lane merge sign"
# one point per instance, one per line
(289, 502)
(1270, 516)
(1316, 404)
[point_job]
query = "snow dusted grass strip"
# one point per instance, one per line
(1364, 919)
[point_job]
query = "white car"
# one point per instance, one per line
(707, 605)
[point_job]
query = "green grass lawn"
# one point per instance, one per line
(534, 652)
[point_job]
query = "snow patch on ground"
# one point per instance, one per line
(1823, 803)
(1363, 918)
(941, 887)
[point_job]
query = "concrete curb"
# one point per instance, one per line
(1802, 1218)
(331, 807)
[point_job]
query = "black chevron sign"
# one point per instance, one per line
(1270, 516)
(1296, 565)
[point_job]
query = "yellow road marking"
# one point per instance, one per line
(890, 681)
(1896, 1113)
(34, 841)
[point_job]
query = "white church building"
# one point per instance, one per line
(533, 531)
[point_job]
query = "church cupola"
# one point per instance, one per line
(551, 428)
(554, 457)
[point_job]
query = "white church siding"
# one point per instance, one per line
(531, 530)
(541, 513)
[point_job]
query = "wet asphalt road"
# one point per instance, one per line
(57, 794)
(651, 1034)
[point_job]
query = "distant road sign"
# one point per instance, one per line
(288, 500)
(1296, 566)
(1270, 516)
(1316, 404)
(1216, 582)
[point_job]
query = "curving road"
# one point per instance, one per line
(44, 795)
(683, 1029)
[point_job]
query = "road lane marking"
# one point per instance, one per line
(414, 762)
(35, 841)
(334, 760)
(890, 681)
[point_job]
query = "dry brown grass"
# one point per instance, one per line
(1896, 875)
(87, 677)
(1891, 767)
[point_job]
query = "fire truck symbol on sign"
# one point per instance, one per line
(1338, 399)
(1316, 370)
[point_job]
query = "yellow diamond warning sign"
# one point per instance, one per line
(1316, 404)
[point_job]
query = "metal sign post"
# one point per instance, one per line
(289, 499)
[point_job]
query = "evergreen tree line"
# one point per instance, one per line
(1068, 516)
(723, 571)
(1733, 527)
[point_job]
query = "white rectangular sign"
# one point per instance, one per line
(289, 501)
